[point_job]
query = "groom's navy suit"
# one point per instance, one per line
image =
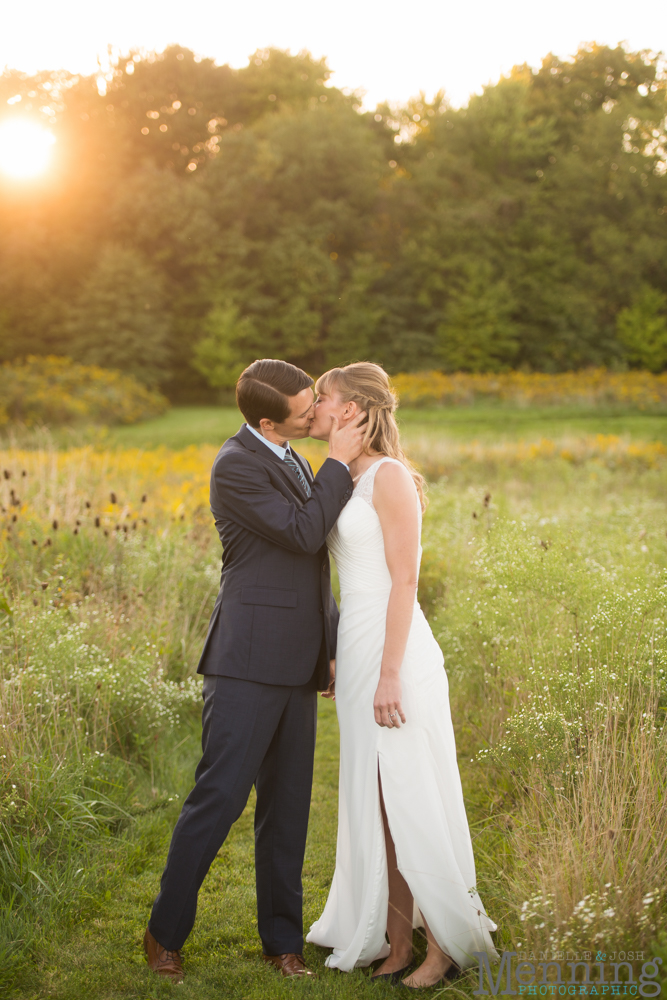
(270, 639)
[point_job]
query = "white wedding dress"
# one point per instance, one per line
(420, 777)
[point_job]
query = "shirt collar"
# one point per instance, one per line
(277, 449)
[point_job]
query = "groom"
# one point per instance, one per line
(270, 641)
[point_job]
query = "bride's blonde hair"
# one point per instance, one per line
(368, 385)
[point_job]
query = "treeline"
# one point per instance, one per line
(198, 216)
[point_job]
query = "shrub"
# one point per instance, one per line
(642, 329)
(593, 386)
(54, 390)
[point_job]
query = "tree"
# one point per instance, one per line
(118, 319)
(295, 201)
(512, 231)
(642, 329)
(477, 333)
(230, 342)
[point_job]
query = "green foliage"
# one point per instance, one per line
(512, 232)
(119, 320)
(477, 333)
(52, 390)
(223, 351)
(294, 199)
(642, 329)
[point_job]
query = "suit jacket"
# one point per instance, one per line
(275, 617)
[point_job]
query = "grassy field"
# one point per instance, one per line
(185, 426)
(544, 577)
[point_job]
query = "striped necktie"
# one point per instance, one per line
(294, 465)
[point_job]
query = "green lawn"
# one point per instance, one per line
(494, 423)
(194, 425)
(180, 427)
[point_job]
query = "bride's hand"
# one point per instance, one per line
(331, 690)
(387, 703)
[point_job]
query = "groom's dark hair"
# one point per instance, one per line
(264, 388)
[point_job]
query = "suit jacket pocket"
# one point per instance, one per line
(270, 596)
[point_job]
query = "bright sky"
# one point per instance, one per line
(389, 49)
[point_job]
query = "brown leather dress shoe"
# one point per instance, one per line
(161, 961)
(290, 965)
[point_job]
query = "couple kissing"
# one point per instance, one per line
(404, 855)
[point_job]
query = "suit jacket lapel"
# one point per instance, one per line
(265, 454)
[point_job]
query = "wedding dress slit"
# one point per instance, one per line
(417, 765)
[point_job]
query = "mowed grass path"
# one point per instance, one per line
(103, 957)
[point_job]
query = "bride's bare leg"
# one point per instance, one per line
(399, 914)
(434, 965)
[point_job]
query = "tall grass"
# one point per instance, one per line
(105, 601)
(555, 641)
(544, 576)
(439, 456)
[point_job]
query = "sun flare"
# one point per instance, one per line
(25, 148)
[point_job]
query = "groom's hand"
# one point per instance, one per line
(331, 690)
(345, 441)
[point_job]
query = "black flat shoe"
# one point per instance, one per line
(390, 977)
(454, 971)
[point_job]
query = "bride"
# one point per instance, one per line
(404, 855)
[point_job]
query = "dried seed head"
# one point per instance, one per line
(112, 497)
